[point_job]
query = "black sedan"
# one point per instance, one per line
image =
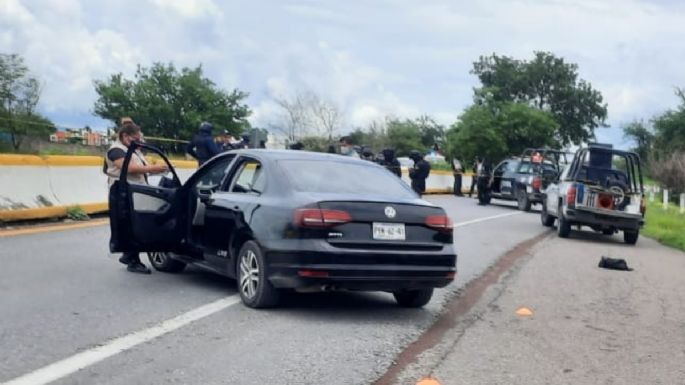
(277, 220)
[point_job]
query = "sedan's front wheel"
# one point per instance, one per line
(255, 289)
(413, 298)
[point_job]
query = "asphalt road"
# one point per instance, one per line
(62, 293)
(586, 325)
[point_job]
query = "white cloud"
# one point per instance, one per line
(372, 59)
(191, 9)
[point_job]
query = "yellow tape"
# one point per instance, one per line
(74, 161)
(49, 212)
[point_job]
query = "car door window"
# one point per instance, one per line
(213, 176)
(249, 178)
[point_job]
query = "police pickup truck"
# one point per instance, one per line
(602, 188)
(523, 178)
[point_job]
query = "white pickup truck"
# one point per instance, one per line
(602, 188)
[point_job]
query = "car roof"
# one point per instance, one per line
(296, 155)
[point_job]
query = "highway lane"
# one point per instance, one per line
(63, 293)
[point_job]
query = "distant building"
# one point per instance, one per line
(82, 136)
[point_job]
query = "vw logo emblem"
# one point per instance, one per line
(390, 212)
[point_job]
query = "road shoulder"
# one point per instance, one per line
(588, 325)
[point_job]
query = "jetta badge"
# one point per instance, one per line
(390, 212)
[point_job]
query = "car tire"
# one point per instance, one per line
(163, 261)
(413, 298)
(563, 227)
(630, 237)
(546, 219)
(523, 201)
(253, 285)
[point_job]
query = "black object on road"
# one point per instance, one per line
(614, 264)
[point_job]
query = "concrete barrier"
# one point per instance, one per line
(34, 187)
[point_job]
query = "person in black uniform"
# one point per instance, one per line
(202, 147)
(484, 178)
(419, 173)
(390, 162)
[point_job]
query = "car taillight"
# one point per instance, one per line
(442, 223)
(537, 183)
(318, 218)
(571, 195)
(643, 206)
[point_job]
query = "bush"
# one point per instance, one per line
(670, 172)
(77, 213)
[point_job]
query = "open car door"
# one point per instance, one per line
(144, 217)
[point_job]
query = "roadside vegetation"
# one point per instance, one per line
(665, 226)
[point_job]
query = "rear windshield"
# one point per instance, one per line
(343, 177)
(533, 168)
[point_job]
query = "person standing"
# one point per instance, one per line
(202, 147)
(419, 173)
(474, 176)
(391, 163)
(346, 147)
(484, 178)
(458, 172)
(138, 169)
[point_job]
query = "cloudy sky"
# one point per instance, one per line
(373, 58)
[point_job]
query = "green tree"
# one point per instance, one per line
(375, 136)
(548, 83)
(432, 133)
(638, 132)
(496, 132)
(19, 96)
(669, 129)
(171, 103)
(405, 136)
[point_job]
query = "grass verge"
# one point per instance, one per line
(666, 226)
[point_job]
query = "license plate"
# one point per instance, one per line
(389, 231)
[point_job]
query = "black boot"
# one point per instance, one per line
(138, 267)
(127, 258)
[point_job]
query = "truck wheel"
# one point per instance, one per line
(546, 219)
(413, 298)
(563, 227)
(522, 199)
(630, 237)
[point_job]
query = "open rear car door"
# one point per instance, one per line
(144, 217)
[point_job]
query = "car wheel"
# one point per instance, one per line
(522, 199)
(630, 237)
(163, 261)
(413, 298)
(255, 289)
(546, 219)
(563, 227)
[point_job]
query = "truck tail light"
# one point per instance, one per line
(571, 195)
(643, 206)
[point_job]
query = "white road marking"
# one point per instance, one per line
(73, 364)
(466, 223)
(79, 361)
